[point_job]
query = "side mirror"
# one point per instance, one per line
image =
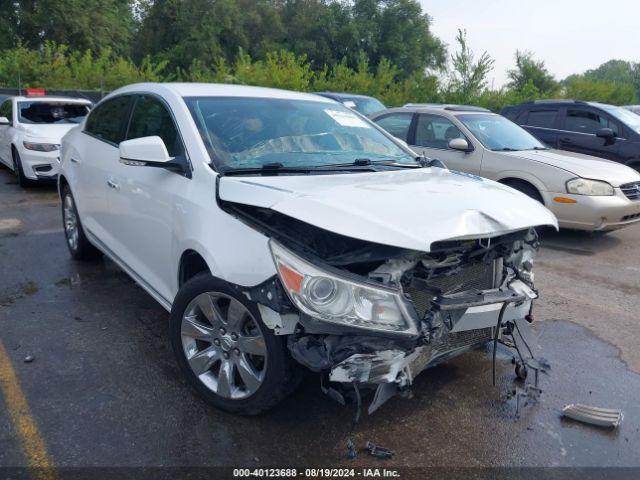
(149, 152)
(459, 144)
(4, 121)
(605, 133)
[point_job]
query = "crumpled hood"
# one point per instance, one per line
(582, 165)
(404, 208)
(53, 132)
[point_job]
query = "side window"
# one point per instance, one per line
(587, 121)
(6, 110)
(108, 121)
(542, 118)
(151, 118)
(397, 124)
(435, 132)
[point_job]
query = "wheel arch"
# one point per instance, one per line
(191, 264)
(513, 180)
(62, 182)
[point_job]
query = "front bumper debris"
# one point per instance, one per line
(475, 326)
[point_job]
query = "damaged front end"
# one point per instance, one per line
(374, 316)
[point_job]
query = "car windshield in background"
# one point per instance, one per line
(497, 133)
(632, 120)
(54, 112)
(253, 132)
(365, 106)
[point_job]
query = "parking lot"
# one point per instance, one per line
(103, 388)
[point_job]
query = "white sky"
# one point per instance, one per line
(571, 36)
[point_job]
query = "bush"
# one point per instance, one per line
(56, 67)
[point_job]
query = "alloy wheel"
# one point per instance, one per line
(223, 345)
(70, 222)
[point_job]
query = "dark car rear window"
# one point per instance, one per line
(51, 112)
(542, 118)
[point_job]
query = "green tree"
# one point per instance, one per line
(531, 73)
(79, 24)
(181, 31)
(468, 77)
(601, 91)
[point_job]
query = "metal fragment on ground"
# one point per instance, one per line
(377, 451)
(601, 417)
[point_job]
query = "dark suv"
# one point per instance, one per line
(597, 129)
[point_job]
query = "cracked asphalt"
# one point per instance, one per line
(104, 389)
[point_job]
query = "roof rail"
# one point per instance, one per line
(559, 100)
(450, 107)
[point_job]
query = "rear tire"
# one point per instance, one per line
(227, 354)
(17, 168)
(79, 246)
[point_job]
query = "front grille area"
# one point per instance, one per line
(633, 216)
(477, 276)
(466, 338)
(631, 190)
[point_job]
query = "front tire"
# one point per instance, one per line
(17, 168)
(77, 242)
(225, 351)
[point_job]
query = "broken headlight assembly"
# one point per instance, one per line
(584, 186)
(336, 299)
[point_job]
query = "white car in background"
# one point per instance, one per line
(31, 129)
(584, 192)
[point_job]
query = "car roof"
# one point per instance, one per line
(50, 98)
(219, 90)
(561, 101)
(436, 109)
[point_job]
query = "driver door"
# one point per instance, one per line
(432, 136)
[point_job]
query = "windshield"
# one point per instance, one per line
(364, 105)
(497, 133)
(51, 112)
(253, 132)
(632, 120)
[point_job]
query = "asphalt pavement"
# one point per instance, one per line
(103, 389)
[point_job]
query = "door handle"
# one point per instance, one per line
(74, 160)
(113, 185)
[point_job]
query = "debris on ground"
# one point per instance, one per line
(378, 451)
(29, 359)
(601, 417)
(351, 450)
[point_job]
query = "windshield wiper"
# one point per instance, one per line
(367, 162)
(267, 169)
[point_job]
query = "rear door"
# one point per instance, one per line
(93, 162)
(144, 199)
(431, 137)
(578, 132)
(542, 122)
(398, 124)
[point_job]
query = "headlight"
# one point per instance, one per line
(41, 147)
(339, 300)
(584, 186)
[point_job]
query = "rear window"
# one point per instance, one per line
(542, 118)
(51, 112)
